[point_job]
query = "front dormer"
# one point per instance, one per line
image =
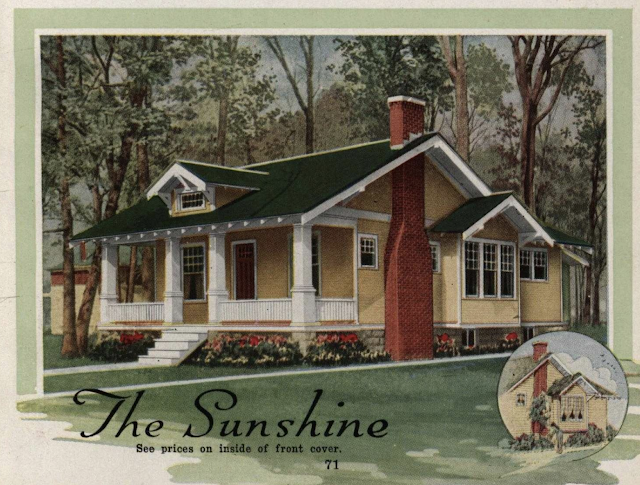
(189, 188)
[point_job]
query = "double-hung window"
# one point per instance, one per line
(435, 256)
(193, 272)
(489, 269)
(534, 264)
(368, 251)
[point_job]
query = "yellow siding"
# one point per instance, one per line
(224, 195)
(273, 260)
(541, 300)
(445, 283)
(371, 281)
(498, 228)
(516, 418)
(440, 197)
(485, 310)
(597, 412)
(376, 197)
(336, 261)
(553, 375)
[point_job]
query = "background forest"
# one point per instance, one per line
(527, 112)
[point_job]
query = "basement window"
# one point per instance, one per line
(469, 338)
(368, 248)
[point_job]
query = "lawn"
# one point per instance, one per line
(52, 346)
(444, 426)
(596, 332)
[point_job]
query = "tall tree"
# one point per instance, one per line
(542, 64)
(375, 68)
(457, 67)
(306, 101)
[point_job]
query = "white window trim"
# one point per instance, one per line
(531, 251)
(376, 255)
(204, 273)
(469, 331)
(585, 411)
(255, 266)
(438, 258)
(480, 295)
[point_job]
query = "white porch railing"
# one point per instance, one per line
(136, 312)
(330, 309)
(256, 310)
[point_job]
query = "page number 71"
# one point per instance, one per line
(331, 464)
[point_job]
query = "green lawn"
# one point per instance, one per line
(596, 332)
(444, 428)
(51, 346)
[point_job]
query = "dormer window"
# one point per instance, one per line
(191, 201)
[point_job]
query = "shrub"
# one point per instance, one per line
(510, 343)
(248, 350)
(539, 411)
(341, 349)
(611, 432)
(528, 442)
(445, 346)
(120, 347)
(593, 435)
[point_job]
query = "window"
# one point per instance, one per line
(490, 265)
(368, 251)
(521, 399)
(534, 264)
(572, 408)
(316, 268)
(469, 338)
(191, 201)
(507, 273)
(193, 272)
(471, 268)
(528, 333)
(435, 257)
(489, 269)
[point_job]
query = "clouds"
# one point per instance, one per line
(600, 375)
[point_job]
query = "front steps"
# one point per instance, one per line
(174, 345)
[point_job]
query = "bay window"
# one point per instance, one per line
(489, 269)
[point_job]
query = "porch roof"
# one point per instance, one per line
(564, 383)
(292, 186)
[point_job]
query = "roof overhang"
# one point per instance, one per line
(571, 258)
(438, 150)
(550, 358)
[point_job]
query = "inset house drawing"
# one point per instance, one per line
(567, 400)
(397, 240)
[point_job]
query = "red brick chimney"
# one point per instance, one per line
(539, 380)
(407, 259)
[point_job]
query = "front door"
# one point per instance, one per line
(245, 258)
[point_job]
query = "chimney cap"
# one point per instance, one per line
(407, 99)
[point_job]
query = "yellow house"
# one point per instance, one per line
(574, 401)
(397, 239)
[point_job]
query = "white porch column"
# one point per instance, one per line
(303, 294)
(108, 280)
(173, 295)
(217, 291)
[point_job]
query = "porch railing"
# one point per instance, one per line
(335, 309)
(136, 312)
(256, 310)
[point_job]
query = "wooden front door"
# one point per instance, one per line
(245, 258)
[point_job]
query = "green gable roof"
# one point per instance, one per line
(561, 384)
(236, 177)
(469, 213)
(293, 186)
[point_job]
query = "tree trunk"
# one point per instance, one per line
(223, 114)
(462, 105)
(147, 267)
(131, 275)
(528, 155)
(69, 345)
(310, 111)
(586, 307)
(88, 299)
(595, 306)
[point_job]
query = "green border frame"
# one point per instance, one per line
(26, 21)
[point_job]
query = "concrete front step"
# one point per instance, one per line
(182, 337)
(161, 354)
(145, 359)
(171, 345)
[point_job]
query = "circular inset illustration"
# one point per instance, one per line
(562, 392)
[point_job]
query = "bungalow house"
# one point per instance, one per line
(394, 239)
(574, 400)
